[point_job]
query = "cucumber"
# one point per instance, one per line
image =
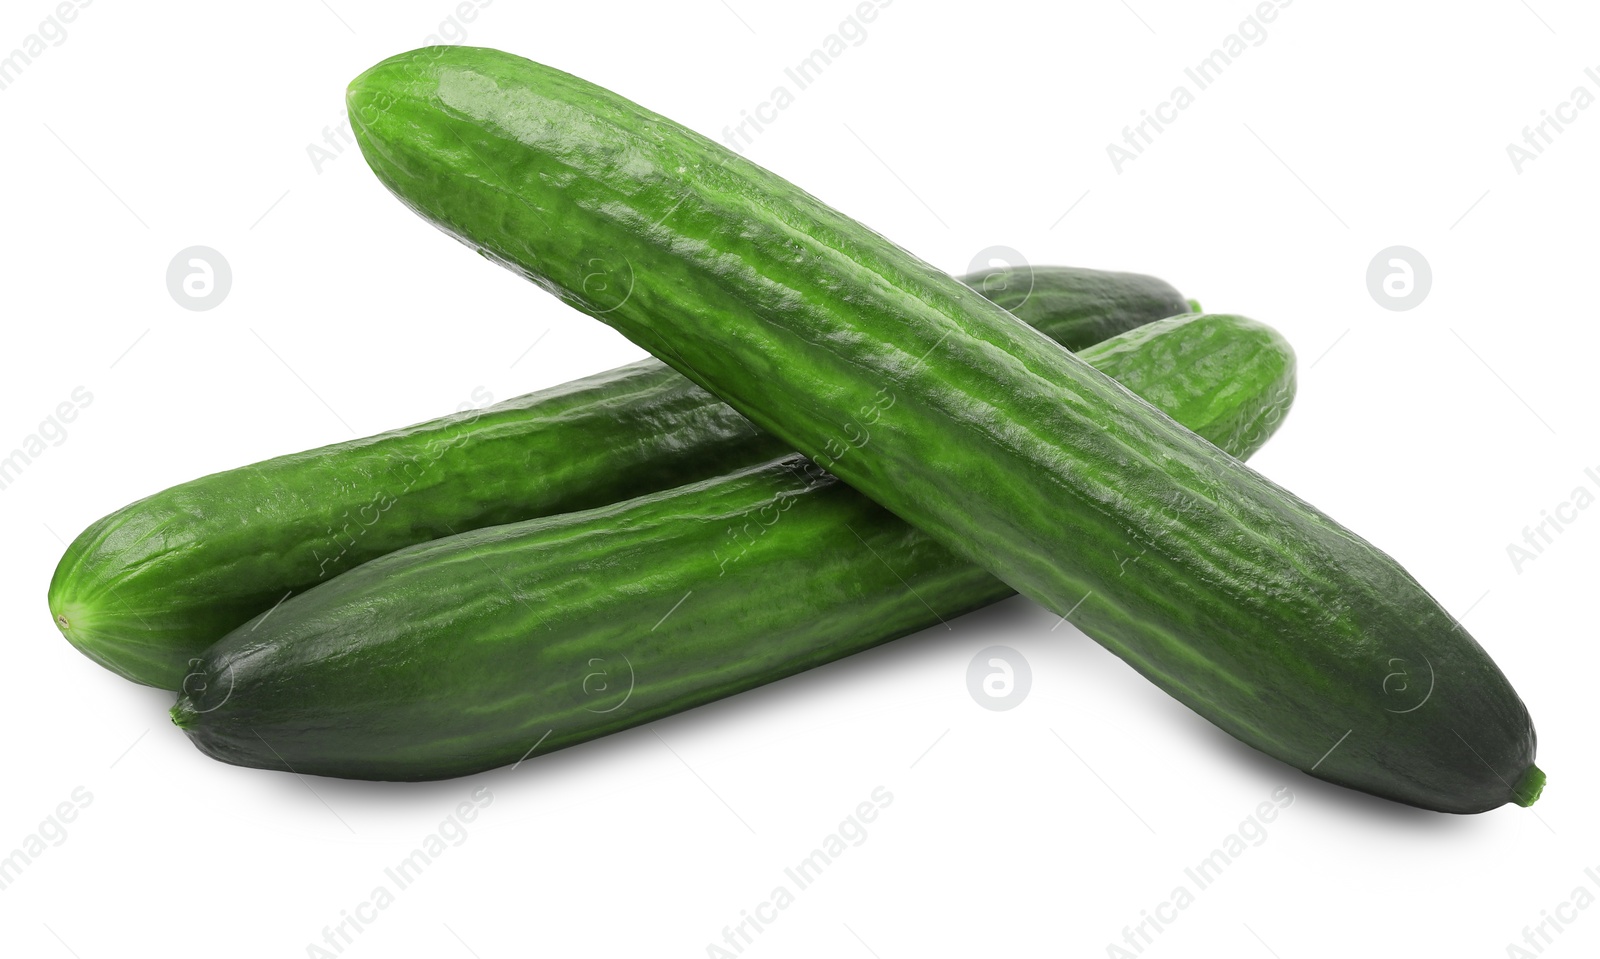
(146, 589)
(1098, 303)
(473, 651)
(1098, 300)
(1249, 605)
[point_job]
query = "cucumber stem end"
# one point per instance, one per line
(1526, 791)
(183, 713)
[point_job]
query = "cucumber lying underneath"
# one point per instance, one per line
(467, 652)
(146, 589)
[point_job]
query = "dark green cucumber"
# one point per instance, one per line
(1101, 299)
(476, 650)
(146, 589)
(1100, 302)
(1249, 605)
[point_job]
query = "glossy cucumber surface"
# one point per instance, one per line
(478, 650)
(146, 589)
(1250, 606)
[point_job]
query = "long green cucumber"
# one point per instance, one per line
(1248, 605)
(476, 650)
(144, 590)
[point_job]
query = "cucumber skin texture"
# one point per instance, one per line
(460, 654)
(1251, 607)
(144, 590)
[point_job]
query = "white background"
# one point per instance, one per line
(1439, 433)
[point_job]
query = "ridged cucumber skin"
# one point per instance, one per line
(464, 653)
(1229, 379)
(144, 590)
(1249, 605)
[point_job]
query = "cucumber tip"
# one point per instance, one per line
(183, 713)
(1526, 791)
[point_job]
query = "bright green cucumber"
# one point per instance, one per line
(476, 650)
(146, 589)
(1248, 605)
